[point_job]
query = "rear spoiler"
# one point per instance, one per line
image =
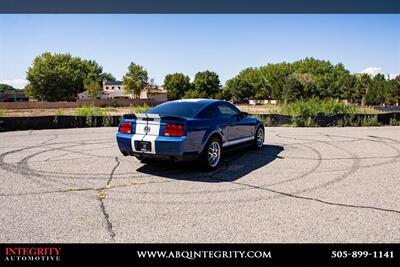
(151, 116)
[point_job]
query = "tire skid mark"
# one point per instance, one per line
(305, 175)
(353, 168)
(393, 159)
(385, 138)
(291, 195)
(22, 168)
(223, 168)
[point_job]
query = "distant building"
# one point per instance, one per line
(263, 102)
(115, 89)
(109, 86)
(13, 96)
(157, 93)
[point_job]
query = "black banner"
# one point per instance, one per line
(200, 254)
(199, 6)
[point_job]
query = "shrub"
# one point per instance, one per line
(394, 122)
(90, 111)
(139, 109)
(352, 121)
(315, 106)
(107, 121)
(370, 121)
(300, 121)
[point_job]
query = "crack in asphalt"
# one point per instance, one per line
(102, 188)
(107, 219)
(109, 226)
(113, 170)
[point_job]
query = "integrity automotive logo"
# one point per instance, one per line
(31, 254)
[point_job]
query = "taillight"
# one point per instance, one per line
(173, 130)
(125, 127)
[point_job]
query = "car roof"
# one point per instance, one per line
(202, 101)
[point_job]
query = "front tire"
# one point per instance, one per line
(211, 156)
(259, 138)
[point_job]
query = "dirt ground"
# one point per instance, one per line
(112, 111)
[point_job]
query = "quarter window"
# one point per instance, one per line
(210, 113)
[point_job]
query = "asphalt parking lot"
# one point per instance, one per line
(305, 185)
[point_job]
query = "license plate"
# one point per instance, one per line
(143, 146)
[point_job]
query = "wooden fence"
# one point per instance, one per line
(75, 104)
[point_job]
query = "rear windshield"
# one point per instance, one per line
(179, 109)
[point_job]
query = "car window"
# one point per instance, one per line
(209, 113)
(175, 108)
(227, 111)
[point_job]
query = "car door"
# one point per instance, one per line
(229, 116)
(240, 129)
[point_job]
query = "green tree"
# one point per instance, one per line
(55, 77)
(6, 88)
(224, 94)
(391, 91)
(195, 94)
(135, 80)
(206, 84)
(395, 85)
(177, 84)
(248, 84)
(292, 90)
(107, 77)
(92, 87)
(274, 77)
(240, 88)
(361, 86)
(376, 93)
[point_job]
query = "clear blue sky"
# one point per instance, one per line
(190, 43)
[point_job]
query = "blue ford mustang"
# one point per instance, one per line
(186, 130)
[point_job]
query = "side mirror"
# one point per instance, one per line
(244, 114)
(241, 115)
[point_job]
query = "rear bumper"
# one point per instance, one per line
(166, 148)
(185, 157)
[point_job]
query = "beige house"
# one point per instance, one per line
(156, 93)
(115, 89)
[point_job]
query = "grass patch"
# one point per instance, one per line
(102, 195)
(2, 112)
(59, 112)
(352, 121)
(315, 106)
(303, 112)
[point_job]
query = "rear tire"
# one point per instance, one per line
(211, 156)
(259, 138)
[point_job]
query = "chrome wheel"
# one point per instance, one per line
(260, 137)
(214, 154)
